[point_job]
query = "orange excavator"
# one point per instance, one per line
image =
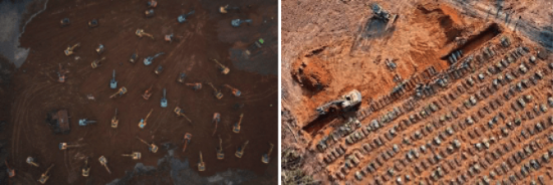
(147, 93)
(120, 92)
(180, 112)
(114, 120)
(187, 139)
(143, 122)
(235, 91)
(46, 175)
(11, 171)
(240, 151)
(196, 86)
(224, 69)
(236, 127)
(216, 119)
(216, 92)
(61, 74)
(152, 147)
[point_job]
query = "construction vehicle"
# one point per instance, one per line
(240, 151)
(345, 103)
(180, 112)
(201, 164)
(217, 93)
(140, 33)
(11, 171)
(255, 46)
(114, 120)
(170, 38)
(182, 18)
(224, 69)
(149, 13)
(196, 86)
(30, 160)
(134, 57)
(152, 147)
(104, 162)
(134, 155)
(216, 119)
(181, 77)
(46, 175)
(70, 49)
(61, 74)
(65, 22)
(152, 4)
(267, 157)
(93, 23)
(101, 48)
(187, 139)
(383, 15)
(65, 146)
(163, 101)
(220, 154)
(147, 93)
(235, 91)
(227, 8)
(143, 122)
(236, 127)
(158, 70)
(113, 82)
(237, 22)
(94, 64)
(149, 60)
(85, 170)
(120, 92)
(84, 122)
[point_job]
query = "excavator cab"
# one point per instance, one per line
(181, 77)
(134, 57)
(220, 154)
(147, 93)
(30, 160)
(187, 139)
(235, 91)
(140, 33)
(240, 151)
(114, 120)
(201, 164)
(101, 48)
(85, 170)
(216, 119)
(152, 147)
(11, 171)
(267, 157)
(104, 162)
(182, 18)
(224, 69)
(149, 13)
(158, 70)
(70, 49)
(120, 92)
(217, 93)
(149, 60)
(65, 22)
(236, 127)
(164, 99)
(113, 82)
(93, 23)
(46, 175)
(237, 22)
(143, 122)
(196, 86)
(134, 155)
(97, 63)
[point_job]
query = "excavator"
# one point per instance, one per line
(149, 60)
(140, 33)
(104, 162)
(11, 171)
(114, 120)
(216, 119)
(236, 127)
(258, 44)
(149, 13)
(134, 155)
(163, 101)
(147, 93)
(134, 57)
(180, 112)
(187, 139)
(65, 22)
(345, 103)
(267, 157)
(152, 147)
(101, 48)
(85, 170)
(30, 160)
(85, 122)
(61, 74)
(46, 175)
(93, 23)
(158, 70)
(216, 92)
(152, 4)
(227, 8)
(94, 64)
(196, 86)
(120, 92)
(220, 154)
(70, 49)
(182, 18)
(181, 77)
(224, 69)
(171, 37)
(237, 22)
(201, 164)
(65, 146)
(113, 82)
(143, 122)
(240, 151)
(235, 91)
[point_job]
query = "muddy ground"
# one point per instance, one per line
(329, 48)
(206, 35)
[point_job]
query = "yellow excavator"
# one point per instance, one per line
(65, 146)
(85, 170)
(224, 69)
(196, 86)
(180, 112)
(143, 122)
(70, 49)
(267, 157)
(220, 154)
(114, 120)
(236, 127)
(120, 92)
(216, 92)
(140, 33)
(147, 93)
(46, 175)
(201, 164)
(235, 91)
(240, 151)
(94, 64)
(104, 162)
(30, 160)
(216, 119)
(152, 147)
(187, 139)
(134, 155)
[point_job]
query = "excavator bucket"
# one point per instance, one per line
(100, 49)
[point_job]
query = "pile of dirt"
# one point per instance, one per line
(439, 14)
(311, 75)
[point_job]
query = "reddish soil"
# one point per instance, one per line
(206, 35)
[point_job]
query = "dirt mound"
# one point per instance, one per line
(311, 75)
(442, 15)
